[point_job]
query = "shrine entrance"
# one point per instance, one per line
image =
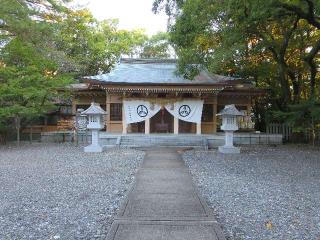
(187, 127)
(162, 122)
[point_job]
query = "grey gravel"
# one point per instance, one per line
(56, 191)
(262, 193)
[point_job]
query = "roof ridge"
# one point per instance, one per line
(148, 60)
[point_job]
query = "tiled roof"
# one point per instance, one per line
(141, 71)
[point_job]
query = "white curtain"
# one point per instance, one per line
(187, 110)
(139, 110)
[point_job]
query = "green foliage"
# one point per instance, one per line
(274, 43)
(171, 7)
(29, 83)
(304, 117)
(157, 46)
(81, 31)
(104, 44)
(29, 77)
(44, 46)
(92, 46)
(129, 42)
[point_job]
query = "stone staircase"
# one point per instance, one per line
(163, 141)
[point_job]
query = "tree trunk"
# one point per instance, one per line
(296, 87)
(18, 136)
(313, 132)
(313, 73)
(285, 88)
(31, 132)
(284, 70)
(18, 124)
(309, 59)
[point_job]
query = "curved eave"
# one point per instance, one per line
(244, 91)
(191, 83)
(222, 88)
(160, 90)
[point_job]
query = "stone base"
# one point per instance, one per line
(231, 150)
(93, 148)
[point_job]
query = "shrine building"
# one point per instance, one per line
(148, 97)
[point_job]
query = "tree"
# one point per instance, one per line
(157, 46)
(129, 43)
(304, 117)
(29, 79)
(273, 43)
(309, 11)
(28, 84)
(82, 39)
(44, 45)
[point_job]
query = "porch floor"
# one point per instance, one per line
(187, 140)
(163, 139)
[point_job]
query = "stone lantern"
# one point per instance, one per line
(95, 123)
(229, 124)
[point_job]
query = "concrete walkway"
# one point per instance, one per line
(163, 204)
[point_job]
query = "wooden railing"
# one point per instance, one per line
(289, 135)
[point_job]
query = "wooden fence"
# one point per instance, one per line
(290, 136)
(280, 128)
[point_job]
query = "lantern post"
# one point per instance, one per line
(95, 123)
(229, 125)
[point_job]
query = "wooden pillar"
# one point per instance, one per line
(249, 106)
(74, 105)
(198, 128)
(175, 125)
(124, 124)
(215, 109)
(147, 126)
(108, 122)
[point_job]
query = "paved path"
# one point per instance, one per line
(163, 204)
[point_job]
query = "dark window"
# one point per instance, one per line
(116, 111)
(103, 106)
(187, 95)
(65, 110)
(207, 113)
(162, 95)
(241, 108)
(83, 107)
(135, 94)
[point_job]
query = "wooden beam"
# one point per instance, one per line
(215, 109)
(108, 108)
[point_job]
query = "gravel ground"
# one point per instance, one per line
(57, 191)
(262, 193)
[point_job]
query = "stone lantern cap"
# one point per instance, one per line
(230, 110)
(94, 109)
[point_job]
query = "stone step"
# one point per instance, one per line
(184, 141)
(176, 142)
(161, 140)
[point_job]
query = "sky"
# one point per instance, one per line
(132, 14)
